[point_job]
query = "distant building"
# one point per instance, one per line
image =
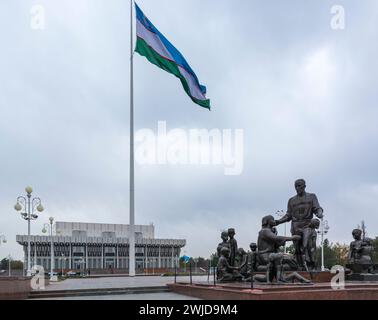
(79, 246)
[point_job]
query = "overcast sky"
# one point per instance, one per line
(304, 94)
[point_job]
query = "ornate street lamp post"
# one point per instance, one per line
(46, 227)
(324, 228)
(9, 265)
(4, 240)
(28, 207)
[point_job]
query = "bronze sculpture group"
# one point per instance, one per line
(267, 263)
(263, 257)
(360, 254)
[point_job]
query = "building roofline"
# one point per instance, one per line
(107, 224)
(22, 239)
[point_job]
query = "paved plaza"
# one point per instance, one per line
(119, 282)
(115, 283)
(148, 297)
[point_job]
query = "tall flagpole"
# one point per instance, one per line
(132, 182)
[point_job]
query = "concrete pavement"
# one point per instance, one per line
(118, 282)
(149, 296)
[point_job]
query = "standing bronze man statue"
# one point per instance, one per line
(300, 211)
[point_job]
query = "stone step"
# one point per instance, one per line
(317, 292)
(95, 292)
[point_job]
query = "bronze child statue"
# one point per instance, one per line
(242, 262)
(233, 245)
(224, 242)
(360, 260)
(251, 263)
(310, 245)
(252, 259)
(226, 272)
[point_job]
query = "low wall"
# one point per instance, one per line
(357, 292)
(94, 272)
(14, 288)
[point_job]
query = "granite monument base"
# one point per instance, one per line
(14, 288)
(362, 277)
(318, 291)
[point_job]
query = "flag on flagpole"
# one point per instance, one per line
(160, 52)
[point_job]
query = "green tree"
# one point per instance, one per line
(289, 249)
(15, 264)
(4, 264)
(214, 259)
(375, 252)
(341, 253)
(202, 263)
(330, 258)
(182, 263)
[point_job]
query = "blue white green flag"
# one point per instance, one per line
(159, 51)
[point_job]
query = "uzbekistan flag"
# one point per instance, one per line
(159, 51)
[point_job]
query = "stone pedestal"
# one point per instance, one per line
(319, 291)
(362, 277)
(12, 288)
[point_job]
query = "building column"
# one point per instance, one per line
(102, 256)
(86, 255)
(159, 257)
(127, 257)
(117, 258)
(25, 260)
(173, 257)
(70, 257)
(35, 254)
(146, 258)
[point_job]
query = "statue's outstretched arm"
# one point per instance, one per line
(284, 219)
(288, 217)
(319, 213)
(317, 209)
(279, 239)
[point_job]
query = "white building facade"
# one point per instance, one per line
(92, 246)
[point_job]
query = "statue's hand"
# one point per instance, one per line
(320, 214)
(296, 238)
